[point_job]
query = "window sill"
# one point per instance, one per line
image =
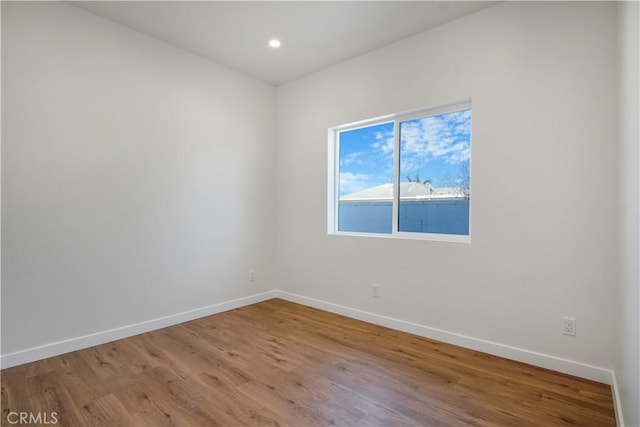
(449, 238)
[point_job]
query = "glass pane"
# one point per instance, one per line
(366, 179)
(434, 174)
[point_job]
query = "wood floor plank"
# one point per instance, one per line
(278, 363)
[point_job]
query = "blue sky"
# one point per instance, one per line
(436, 148)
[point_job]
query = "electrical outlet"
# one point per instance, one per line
(252, 276)
(568, 326)
(375, 291)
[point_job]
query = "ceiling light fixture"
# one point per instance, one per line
(274, 43)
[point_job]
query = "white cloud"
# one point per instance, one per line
(352, 158)
(384, 143)
(459, 156)
(352, 182)
(442, 137)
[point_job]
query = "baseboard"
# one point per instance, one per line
(533, 358)
(617, 404)
(79, 343)
(566, 366)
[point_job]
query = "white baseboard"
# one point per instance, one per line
(578, 369)
(86, 341)
(617, 404)
(538, 359)
(554, 363)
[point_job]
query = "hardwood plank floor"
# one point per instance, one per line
(282, 364)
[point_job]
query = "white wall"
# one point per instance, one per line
(542, 77)
(628, 354)
(136, 177)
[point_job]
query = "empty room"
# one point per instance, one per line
(356, 213)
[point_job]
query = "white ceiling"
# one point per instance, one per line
(314, 35)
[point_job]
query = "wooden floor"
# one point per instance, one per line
(279, 363)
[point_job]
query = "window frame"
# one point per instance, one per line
(333, 175)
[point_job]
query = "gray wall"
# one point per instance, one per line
(131, 172)
(542, 78)
(414, 216)
(627, 365)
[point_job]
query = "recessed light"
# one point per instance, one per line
(274, 43)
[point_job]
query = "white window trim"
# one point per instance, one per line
(333, 175)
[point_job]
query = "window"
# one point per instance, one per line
(406, 175)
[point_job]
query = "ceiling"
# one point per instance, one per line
(314, 35)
